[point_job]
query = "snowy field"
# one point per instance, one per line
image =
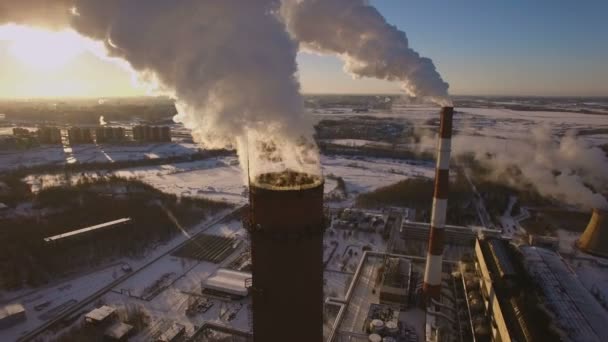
(493, 123)
(221, 178)
(90, 153)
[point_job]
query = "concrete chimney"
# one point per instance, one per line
(434, 259)
(286, 229)
(594, 239)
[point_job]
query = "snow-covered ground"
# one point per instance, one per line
(222, 179)
(89, 153)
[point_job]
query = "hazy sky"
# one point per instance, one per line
(517, 47)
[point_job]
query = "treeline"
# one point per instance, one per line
(417, 193)
(25, 259)
(374, 151)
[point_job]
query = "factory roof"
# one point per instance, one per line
(228, 281)
(11, 310)
(100, 314)
(575, 311)
(87, 229)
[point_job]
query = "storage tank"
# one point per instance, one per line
(392, 328)
(376, 326)
(286, 224)
(375, 338)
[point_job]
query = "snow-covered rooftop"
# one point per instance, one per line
(87, 229)
(11, 310)
(574, 309)
(232, 282)
(100, 314)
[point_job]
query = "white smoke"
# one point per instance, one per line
(229, 64)
(102, 121)
(369, 46)
(564, 168)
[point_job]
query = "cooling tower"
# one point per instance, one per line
(434, 258)
(286, 229)
(594, 239)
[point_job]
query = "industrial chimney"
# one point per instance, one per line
(434, 259)
(594, 239)
(286, 229)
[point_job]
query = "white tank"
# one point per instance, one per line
(376, 325)
(375, 338)
(392, 328)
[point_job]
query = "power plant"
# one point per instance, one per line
(434, 260)
(286, 225)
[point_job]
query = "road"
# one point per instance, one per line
(89, 300)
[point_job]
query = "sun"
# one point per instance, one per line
(43, 50)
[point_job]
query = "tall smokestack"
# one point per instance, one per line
(434, 259)
(286, 229)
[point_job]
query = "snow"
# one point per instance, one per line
(89, 153)
(57, 297)
(574, 309)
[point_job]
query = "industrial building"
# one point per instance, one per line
(230, 282)
(100, 315)
(11, 314)
(527, 293)
(146, 133)
(19, 131)
(594, 239)
(49, 135)
(575, 314)
(80, 135)
(286, 224)
(85, 231)
(106, 134)
(396, 286)
(454, 235)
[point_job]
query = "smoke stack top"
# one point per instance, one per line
(287, 180)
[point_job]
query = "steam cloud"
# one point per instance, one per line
(231, 64)
(566, 168)
(369, 46)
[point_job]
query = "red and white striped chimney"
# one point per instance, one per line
(434, 259)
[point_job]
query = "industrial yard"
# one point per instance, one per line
(198, 285)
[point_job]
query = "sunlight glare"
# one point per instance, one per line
(42, 49)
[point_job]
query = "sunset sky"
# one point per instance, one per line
(479, 47)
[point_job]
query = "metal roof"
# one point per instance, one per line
(573, 307)
(11, 310)
(88, 229)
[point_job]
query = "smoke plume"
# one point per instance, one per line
(102, 121)
(564, 168)
(369, 46)
(229, 64)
